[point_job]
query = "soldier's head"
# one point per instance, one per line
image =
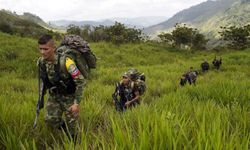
(46, 46)
(125, 78)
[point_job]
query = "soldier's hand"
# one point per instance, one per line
(127, 103)
(74, 109)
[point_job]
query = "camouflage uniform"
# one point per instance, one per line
(217, 63)
(204, 66)
(59, 103)
(129, 93)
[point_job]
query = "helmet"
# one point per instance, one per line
(133, 73)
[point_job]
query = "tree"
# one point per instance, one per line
(116, 33)
(73, 29)
(236, 37)
(6, 28)
(199, 41)
(119, 33)
(99, 34)
(166, 37)
(182, 35)
(133, 35)
(85, 32)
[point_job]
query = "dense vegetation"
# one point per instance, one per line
(232, 37)
(236, 37)
(117, 33)
(184, 35)
(214, 114)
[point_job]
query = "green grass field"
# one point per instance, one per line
(214, 114)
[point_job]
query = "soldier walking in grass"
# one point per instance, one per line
(126, 93)
(189, 77)
(205, 66)
(217, 63)
(129, 90)
(64, 82)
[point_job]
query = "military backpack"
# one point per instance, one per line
(75, 47)
(138, 79)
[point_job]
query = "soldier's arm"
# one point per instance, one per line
(137, 94)
(77, 77)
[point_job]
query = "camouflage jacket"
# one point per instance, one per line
(68, 69)
(129, 91)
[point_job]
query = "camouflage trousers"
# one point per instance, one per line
(56, 106)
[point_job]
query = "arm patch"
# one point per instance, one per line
(72, 68)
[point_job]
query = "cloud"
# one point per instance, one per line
(96, 9)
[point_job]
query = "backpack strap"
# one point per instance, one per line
(57, 67)
(132, 84)
(65, 85)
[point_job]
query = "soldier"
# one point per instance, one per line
(183, 79)
(217, 63)
(128, 93)
(64, 84)
(205, 66)
(190, 76)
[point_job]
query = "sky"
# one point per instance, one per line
(79, 10)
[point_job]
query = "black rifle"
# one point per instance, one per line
(124, 97)
(118, 104)
(40, 102)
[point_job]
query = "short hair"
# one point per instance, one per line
(44, 39)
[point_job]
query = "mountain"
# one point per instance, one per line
(238, 14)
(208, 16)
(19, 24)
(139, 22)
(65, 23)
(34, 18)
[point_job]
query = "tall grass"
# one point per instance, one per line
(214, 114)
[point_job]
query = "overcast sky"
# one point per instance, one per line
(50, 10)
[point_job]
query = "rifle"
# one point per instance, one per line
(124, 97)
(118, 104)
(40, 102)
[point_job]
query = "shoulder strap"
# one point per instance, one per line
(57, 67)
(65, 52)
(62, 64)
(132, 84)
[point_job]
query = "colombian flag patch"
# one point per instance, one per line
(71, 67)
